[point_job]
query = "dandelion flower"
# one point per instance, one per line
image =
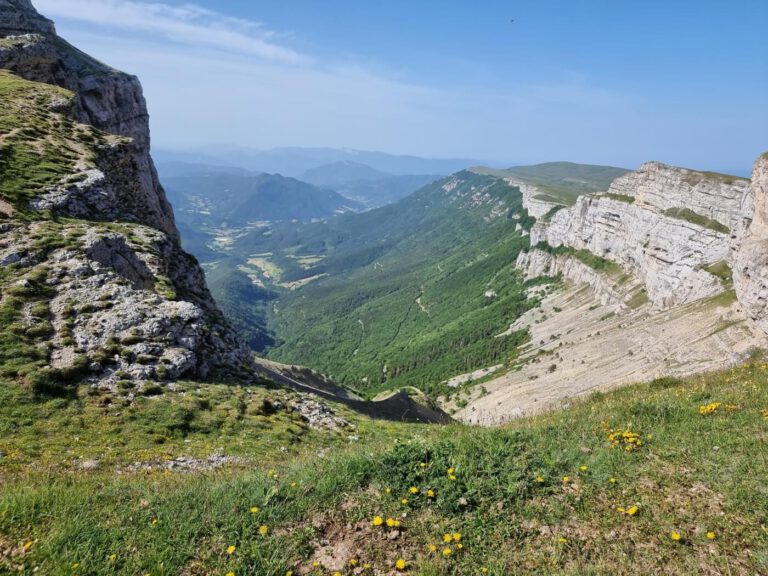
(540, 479)
(112, 557)
(230, 573)
(632, 510)
(263, 529)
(254, 509)
(378, 521)
(432, 548)
(289, 573)
(566, 479)
(447, 538)
(430, 493)
(675, 536)
(583, 468)
(452, 477)
(710, 535)
(404, 501)
(413, 490)
(231, 550)
(447, 551)
(388, 490)
(612, 480)
(459, 546)
(423, 465)
(27, 546)
(337, 574)
(456, 536)
(400, 564)
(562, 540)
(353, 561)
(451, 471)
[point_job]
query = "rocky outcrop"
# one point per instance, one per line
(20, 17)
(750, 270)
(109, 289)
(606, 290)
(104, 98)
(664, 225)
(663, 187)
(532, 198)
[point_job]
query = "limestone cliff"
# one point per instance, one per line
(750, 271)
(669, 227)
(93, 281)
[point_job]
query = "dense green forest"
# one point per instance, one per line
(409, 294)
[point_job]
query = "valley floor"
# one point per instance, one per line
(662, 478)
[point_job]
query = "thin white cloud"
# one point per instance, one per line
(187, 24)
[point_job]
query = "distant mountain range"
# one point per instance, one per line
(296, 162)
(223, 198)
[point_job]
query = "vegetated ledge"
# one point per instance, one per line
(592, 260)
(694, 218)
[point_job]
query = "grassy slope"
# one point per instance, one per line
(695, 473)
(38, 146)
(435, 249)
(561, 182)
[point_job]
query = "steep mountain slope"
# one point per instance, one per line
(102, 288)
(407, 294)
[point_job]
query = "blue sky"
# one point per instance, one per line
(601, 81)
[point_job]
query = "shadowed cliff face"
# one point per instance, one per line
(106, 99)
(20, 17)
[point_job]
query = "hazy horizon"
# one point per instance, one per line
(595, 83)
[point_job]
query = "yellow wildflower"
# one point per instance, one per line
(404, 501)
(432, 548)
(263, 529)
(337, 574)
(254, 509)
(388, 490)
(460, 546)
(231, 550)
(447, 538)
(566, 479)
(451, 471)
(562, 540)
(112, 557)
(709, 408)
(452, 477)
(353, 561)
(484, 570)
(710, 535)
(423, 465)
(612, 480)
(632, 510)
(430, 493)
(400, 564)
(378, 521)
(583, 468)
(675, 536)
(230, 573)
(456, 536)
(413, 490)
(27, 546)
(289, 573)
(447, 551)
(540, 479)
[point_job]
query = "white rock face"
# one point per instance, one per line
(661, 186)
(750, 271)
(535, 206)
(537, 263)
(667, 253)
